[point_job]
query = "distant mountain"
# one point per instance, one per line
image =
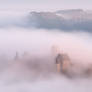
(45, 20)
(73, 19)
(66, 20)
(70, 11)
(75, 13)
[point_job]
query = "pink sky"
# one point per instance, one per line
(45, 4)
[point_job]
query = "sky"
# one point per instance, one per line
(45, 4)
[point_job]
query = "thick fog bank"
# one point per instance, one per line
(36, 41)
(34, 69)
(38, 44)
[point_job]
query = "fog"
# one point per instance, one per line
(27, 57)
(36, 70)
